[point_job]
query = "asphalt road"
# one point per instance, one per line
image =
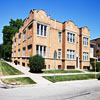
(73, 90)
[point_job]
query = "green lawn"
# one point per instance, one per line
(6, 69)
(89, 70)
(59, 78)
(62, 71)
(19, 81)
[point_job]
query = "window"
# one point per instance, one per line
(70, 67)
(18, 52)
(85, 41)
(38, 29)
(85, 56)
(23, 64)
(68, 36)
(30, 46)
(41, 50)
(86, 67)
(41, 30)
(73, 55)
(44, 51)
(59, 53)
(70, 54)
(71, 37)
(30, 26)
(44, 66)
(99, 46)
(19, 38)
(24, 51)
(37, 49)
(59, 36)
(98, 58)
(59, 67)
(24, 35)
(45, 29)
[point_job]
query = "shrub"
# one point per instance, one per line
(97, 66)
(93, 66)
(36, 63)
(98, 76)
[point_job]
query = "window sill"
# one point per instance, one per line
(59, 58)
(70, 59)
(85, 45)
(41, 36)
(85, 60)
(71, 42)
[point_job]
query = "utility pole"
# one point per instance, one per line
(95, 68)
(55, 57)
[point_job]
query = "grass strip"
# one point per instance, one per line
(62, 71)
(19, 81)
(7, 69)
(59, 78)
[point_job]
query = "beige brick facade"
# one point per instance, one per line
(71, 46)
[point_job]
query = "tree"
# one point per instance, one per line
(8, 33)
(1, 50)
(36, 63)
(95, 65)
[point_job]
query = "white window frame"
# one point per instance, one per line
(41, 31)
(24, 51)
(70, 54)
(85, 56)
(19, 39)
(41, 50)
(59, 53)
(24, 35)
(70, 37)
(60, 37)
(85, 41)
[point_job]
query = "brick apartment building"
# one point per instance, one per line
(95, 44)
(42, 35)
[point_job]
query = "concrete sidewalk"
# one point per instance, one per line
(36, 77)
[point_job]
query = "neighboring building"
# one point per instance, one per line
(92, 57)
(95, 44)
(42, 35)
